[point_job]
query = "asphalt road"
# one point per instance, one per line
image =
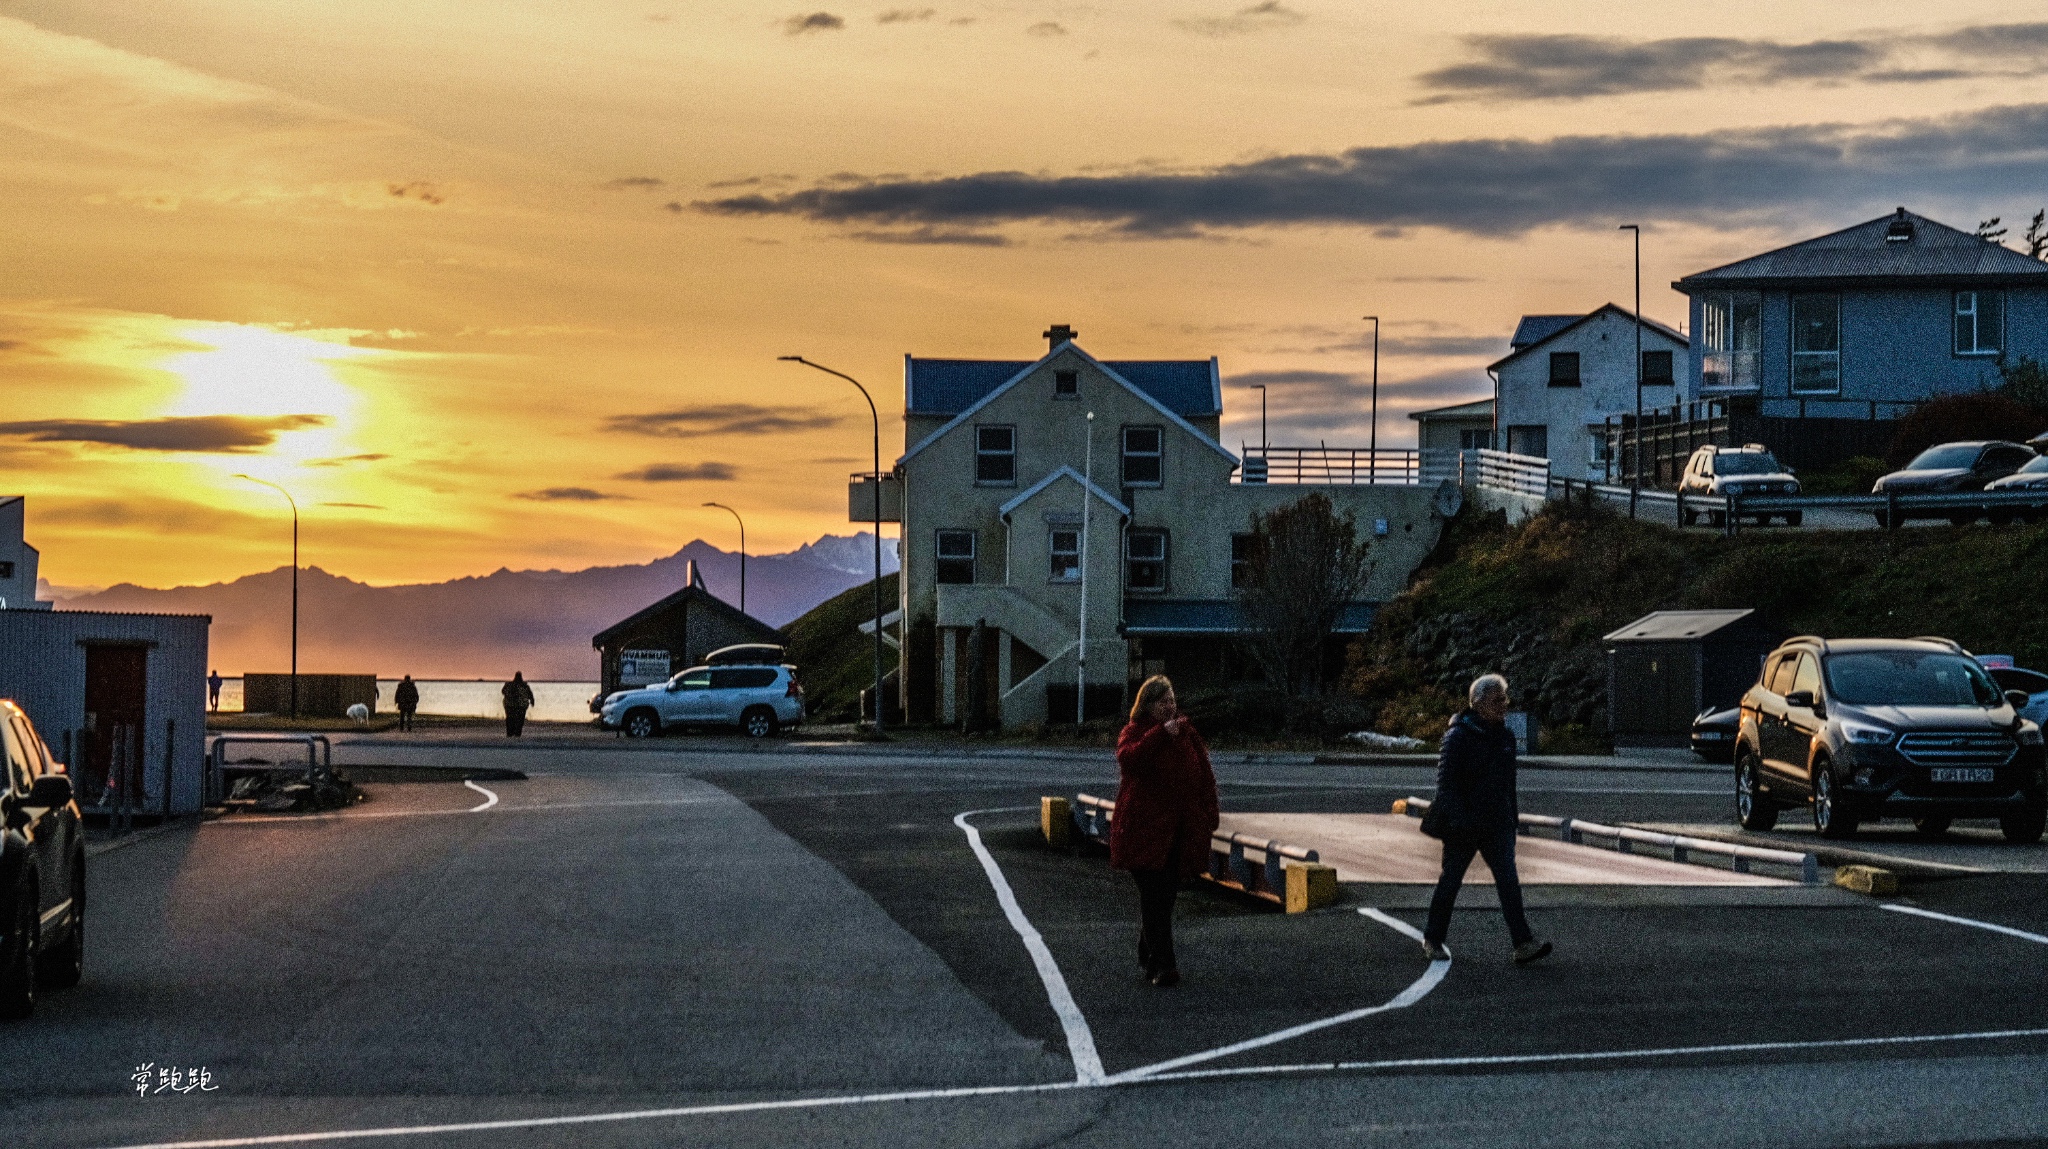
(679, 944)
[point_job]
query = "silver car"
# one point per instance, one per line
(1715, 472)
(2031, 683)
(760, 700)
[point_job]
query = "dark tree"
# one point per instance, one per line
(1956, 418)
(2037, 235)
(1308, 563)
(1989, 231)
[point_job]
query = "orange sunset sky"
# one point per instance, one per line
(503, 284)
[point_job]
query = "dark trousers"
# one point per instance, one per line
(515, 721)
(1156, 891)
(1499, 851)
(405, 719)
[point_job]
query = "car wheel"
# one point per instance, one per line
(1829, 819)
(758, 722)
(2000, 518)
(61, 966)
(2025, 827)
(1717, 518)
(1752, 809)
(642, 724)
(1883, 519)
(1932, 826)
(18, 956)
(1794, 518)
(1962, 520)
(1691, 517)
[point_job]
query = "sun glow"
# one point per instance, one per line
(262, 372)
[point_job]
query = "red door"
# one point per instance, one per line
(116, 685)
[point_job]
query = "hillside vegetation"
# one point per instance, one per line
(1533, 601)
(835, 660)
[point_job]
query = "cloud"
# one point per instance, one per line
(1565, 67)
(1492, 187)
(721, 419)
(566, 495)
(1264, 17)
(1046, 28)
(631, 183)
(209, 434)
(681, 472)
(1306, 408)
(358, 506)
(673, 206)
(906, 15)
(345, 460)
(815, 22)
(936, 236)
(419, 190)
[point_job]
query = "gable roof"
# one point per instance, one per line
(1474, 409)
(1190, 388)
(1537, 328)
(1067, 472)
(1170, 414)
(1932, 252)
(693, 591)
(1580, 321)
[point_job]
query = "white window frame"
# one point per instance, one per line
(941, 558)
(1974, 316)
(1125, 455)
(981, 453)
(1131, 559)
(1058, 571)
(1831, 359)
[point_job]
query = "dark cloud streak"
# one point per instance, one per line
(681, 472)
(205, 434)
(721, 419)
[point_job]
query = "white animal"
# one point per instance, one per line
(359, 712)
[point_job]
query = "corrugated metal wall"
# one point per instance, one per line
(42, 668)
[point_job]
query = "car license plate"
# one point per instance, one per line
(1961, 774)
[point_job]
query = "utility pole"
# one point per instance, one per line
(1087, 498)
(1261, 389)
(295, 582)
(1636, 483)
(743, 549)
(1373, 436)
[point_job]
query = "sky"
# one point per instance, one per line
(504, 284)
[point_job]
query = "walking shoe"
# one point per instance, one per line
(1531, 951)
(1435, 951)
(1166, 978)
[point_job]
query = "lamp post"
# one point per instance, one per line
(743, 550)
(1373, 436)
(295, 583)
(1261, 389)
(1081, 648)
(877, 485)
(1636, 472)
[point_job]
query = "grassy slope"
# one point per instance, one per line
(837, 661)
(1542, 595)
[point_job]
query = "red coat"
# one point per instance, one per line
(1166, 804)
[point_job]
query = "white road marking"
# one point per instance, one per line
(490, 799)
(1416, 991)
(1080, 1041)
(246, 820)
(1951, 918)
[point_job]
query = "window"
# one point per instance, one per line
(20, 774)
(1781, 675)
(1980, 322)
(1731, 340)
(1145, 560)
(1816, 344)
(1066, 555)
(1807, 677)
(6, 570)
(995, 454)
(743, 678)
(956, 557)
(1564, 369)
(1142, 456)
(1532, 440)
(1657, 369)
(1244, 558)
(1475, 440)
(691, 680)
(1596, 438)
(1066, 384)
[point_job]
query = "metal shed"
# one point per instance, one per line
(109, 690)
(673, 634)
(1667, 666)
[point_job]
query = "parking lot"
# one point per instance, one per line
(681, 942)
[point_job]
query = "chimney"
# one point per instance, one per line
(1059, 333)
(691, 577)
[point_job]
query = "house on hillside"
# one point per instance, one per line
(1044, 499)
(672, 635)
(1564, 375)
(1459, 427)
(1825, 342)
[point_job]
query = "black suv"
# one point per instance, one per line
(42, 870)
(1866, 728)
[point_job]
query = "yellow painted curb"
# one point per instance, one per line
(1400, 805)
(1866, 880)
(1310, 886)
(1056, 822)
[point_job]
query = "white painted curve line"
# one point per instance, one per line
(490, 799)
(1416, 991)
(602, 1118)
(2008, 931)
(1080, 1041)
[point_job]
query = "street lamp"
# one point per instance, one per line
(1261, 389)
(295, 582)
(1373, 437)
(743, 551)
(1637, 470)
(877, 485)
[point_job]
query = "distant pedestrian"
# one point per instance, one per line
(1475, 812)
(407, 698)
(1165, 812)
(213, 690)
(518, 700)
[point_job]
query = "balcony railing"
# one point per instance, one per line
(1346, 466)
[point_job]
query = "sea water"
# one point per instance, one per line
(466, 698)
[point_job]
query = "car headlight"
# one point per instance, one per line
(1868, 735)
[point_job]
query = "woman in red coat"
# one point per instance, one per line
(1165, 812)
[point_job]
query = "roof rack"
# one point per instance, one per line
(1951, 643)
(1813, 638)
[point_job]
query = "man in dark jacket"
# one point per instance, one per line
(518, 699)
(407, 697)
(1475, 813)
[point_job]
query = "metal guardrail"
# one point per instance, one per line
(1626, 838)
(1228, 865)
(1890, 510)
(1505, 471)
(319, 759)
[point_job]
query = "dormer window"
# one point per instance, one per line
(1066, 384)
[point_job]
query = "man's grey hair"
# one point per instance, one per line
(1487, 685)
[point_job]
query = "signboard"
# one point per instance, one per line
(643, 667)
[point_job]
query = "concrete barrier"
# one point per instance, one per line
(1056, 822)
(1867, 880)
(1272, 877)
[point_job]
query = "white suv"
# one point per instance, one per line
(758, 699)
(1716, 472)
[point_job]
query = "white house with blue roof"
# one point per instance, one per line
(1564, 375)
(1041, 499)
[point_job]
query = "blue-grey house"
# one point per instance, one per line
(1862, 323)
